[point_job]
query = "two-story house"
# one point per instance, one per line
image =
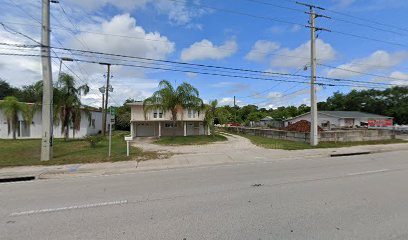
(156, 123)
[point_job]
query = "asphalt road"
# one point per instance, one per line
(358, 197)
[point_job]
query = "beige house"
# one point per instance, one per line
(156, 123)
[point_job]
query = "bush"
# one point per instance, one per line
(93, 140)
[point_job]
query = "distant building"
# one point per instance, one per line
(268, 121)
(33, 130)
(156, 123)
(345, 119)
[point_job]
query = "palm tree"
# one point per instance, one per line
(210, 115)
(174, 100)
(67, 104)
(11, 108)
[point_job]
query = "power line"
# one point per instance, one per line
(215, 67)
(363, 73)
(204, 73)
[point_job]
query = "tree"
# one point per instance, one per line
(11, 108)
(7, 90)
(223, 115)
(122, 116)
(211, 115)
(31, 93)
(174, 100)
(67, 104)
(256, 116)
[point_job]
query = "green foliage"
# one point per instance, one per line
(256, 116)
(93, 140)
(122, 117)
(67, 103)
(11, 108)
(27, 152)
(7, 90)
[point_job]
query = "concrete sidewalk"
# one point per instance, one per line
(247, 155)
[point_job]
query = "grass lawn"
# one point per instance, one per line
(292, 145)
(190, 140)
(27, 152)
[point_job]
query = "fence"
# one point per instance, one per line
(352, 135)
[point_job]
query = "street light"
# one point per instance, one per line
(63, 59)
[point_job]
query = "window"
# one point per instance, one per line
(158, 113)
(192, 113)
(170, 125)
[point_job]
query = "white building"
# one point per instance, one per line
(156, 123)
(345, 119)
(34, 129)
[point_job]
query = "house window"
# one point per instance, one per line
(170, 125)
(192, 113)
(158, 113)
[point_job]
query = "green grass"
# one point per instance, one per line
(27, 152)
(292, 145)
(190, 140)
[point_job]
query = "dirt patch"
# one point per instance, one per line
(233, 143)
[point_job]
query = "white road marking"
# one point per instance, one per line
(367, 172)
(49, 210)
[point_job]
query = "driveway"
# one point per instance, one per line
(234, 143)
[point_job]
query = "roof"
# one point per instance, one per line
(139, 103)
(346, 114)
(352, 114)
(267, 118)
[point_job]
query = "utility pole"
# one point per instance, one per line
(314, 134)
(235, 112)
(104, 112)
(47, 102)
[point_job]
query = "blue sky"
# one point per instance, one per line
(180, 30)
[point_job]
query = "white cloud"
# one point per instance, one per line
(300, 56)
(205, 49)
(145, 44)
(230, 102)
(191, 74)
(402, 78)
(345, 3)
(378, 60)
(177, 12)
(396, 78)
(261, 49)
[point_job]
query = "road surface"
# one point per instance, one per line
(357, 197)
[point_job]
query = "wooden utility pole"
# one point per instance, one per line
(105, 107)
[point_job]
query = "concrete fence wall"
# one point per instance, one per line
(327, 136)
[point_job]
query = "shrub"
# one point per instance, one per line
(93, 140)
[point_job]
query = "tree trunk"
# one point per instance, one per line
(174, 123)
(66, 132)
(14, 129)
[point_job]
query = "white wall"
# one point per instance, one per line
(36, 126)
(321, 119)
(137, 114)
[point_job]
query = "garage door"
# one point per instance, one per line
(190, 129)
(145, 130)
